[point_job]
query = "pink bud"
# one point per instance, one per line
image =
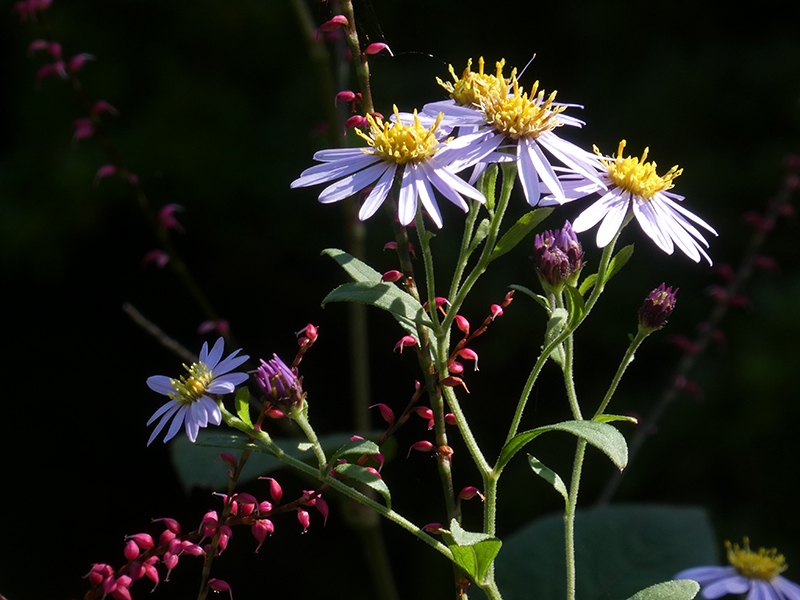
(405, 341)
(311, 332)
(136, 570)
(304, 518)
(166, 217)
(121, 592)
(170, 560)
(453, 382)
(265, 506)
(84, 128)
(725, 271)
(469, 355)
(101, 106)
(151, 571)
(76, 62)
(274, 489)
(462, 324)
(450, 419)
(440, 302)
(143, 540)
(131, 551)
(386, 412)
(194, 550)
(422, 446)
(355, 121)
(434, 528)
(159, 257)
(424, 412)
(377, 47)
(102, 172)
(390, 246)
(497, 311)
(335, 23)
(166, 537)
(246, 499)
(230, 460)
(455, 367)
(469, 492)
(392, 276)
(322, 507)
(109, 584)
(261, 529)
(225, 534)
(380, 459)
(766, 263)
(220, 586)
(344, 96)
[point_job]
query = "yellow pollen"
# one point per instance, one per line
(764, 564)
(471, 88)
(519, 115)
(637, 176)
(192, 389)
(401, 144)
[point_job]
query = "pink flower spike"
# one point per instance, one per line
(131, 551)
(322, 507)
(378, 47)
(462, 324)
(469, 492)
(84, 128)
(335, 23)
(101, 106)
(407, 341)
(104, 171)
(386, 413)
(166, 217)
(220, 586)
(304, 518)
(392, 276)
(76, 63)
(422, 446)
(469, 355)
(159, 257)
(453, 382)
(274, 489)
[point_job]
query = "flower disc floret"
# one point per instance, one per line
(636, 175)
(520, 116)
(473, 87)
(401, 144)
(764, 564)
(191, 389)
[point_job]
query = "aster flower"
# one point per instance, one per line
(631, 185)
(279, 382)
(418, 155)
(498, 114)
(190, 398)
(756, 573)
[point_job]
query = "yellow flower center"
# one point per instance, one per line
(764, 564)
(401, 144)
(637, 176)
(519, 115)
(471, 88)
(192, 389)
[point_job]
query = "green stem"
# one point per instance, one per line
(569, 517)
(301, 418)
(626, 360)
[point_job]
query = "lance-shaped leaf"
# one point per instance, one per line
(680, 589)
(366, 477)
(387, 296)
(243, 405)
(616, 263)
(612, 418)
(358, 270)
(549, 476)
(473, 552)
(520, 230)
(530, 293)
(600, 435)
(357, 448)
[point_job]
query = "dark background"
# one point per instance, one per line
(218, 108)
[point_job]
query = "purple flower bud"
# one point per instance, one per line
(657, 308)
(558, 257)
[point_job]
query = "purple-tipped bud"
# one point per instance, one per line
(280, 382)
(657, 308)
(558, 257)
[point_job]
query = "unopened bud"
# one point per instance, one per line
(469, 492)
(462, 324)
(434, 528)
(657, 308)
(304, 518)
(378, 47)
(386, 412)
(405, 342)
(453, 382)
(423, 446)
(392, 276)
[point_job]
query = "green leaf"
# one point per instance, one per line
(587, 284)
(480, 235)
(618, 261)
(612, 418)
(366, 477)
(680, 589)
(620, 549)
(487, 183)
(600, 435)
(577, 307)
(387, 296)
(549, 476)
(519, 230)
(530, 293)
(358, 270)
(196, 465)
(242, 401)
(555, 326)
(473, 552)
(355, 447)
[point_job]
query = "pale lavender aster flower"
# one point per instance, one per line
(418, 155)
(190, 402)
(755, 573)
(631, 185)
(496, 113)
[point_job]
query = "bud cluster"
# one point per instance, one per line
(558, 258)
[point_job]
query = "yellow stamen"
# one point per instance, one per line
(192, 389)
(637, 176)
(764, 564)
(471, 88)
(401, 144)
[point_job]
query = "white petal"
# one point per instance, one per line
(545, 170)
(212, 410)
(425, 194)
(528, 176)
(378, 194)
(333, 171)
(198, 414)
(653, 225)
(215, 354)
(352, 184)
(192, 427)
(407, 198)
(451, 186)
(592, 215)
(339, 154)
(611, 224)
(230, 363)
